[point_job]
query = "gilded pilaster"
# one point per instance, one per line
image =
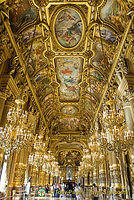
(86, 178)
(20, 169)
(2, 104)
(51, 179)
(19, 175)
(45, 178)
(41, 177)
(95, 176)
(34, 176)
(102, 176)
(116, 172)
(11, 171)
(111, 169)
(91, 178)
(1, 157)
(132, 170)
(128, 110)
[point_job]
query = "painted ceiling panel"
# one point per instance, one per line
(69, 110)
(73, 157)
(68, 47)
(69, 71)
(68, 27)
(115, 12)
(22, 13)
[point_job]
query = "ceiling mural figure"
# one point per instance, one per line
(105, 34)
(69, 110)
(66, 157)
(21, 14)
(69, 74)
(115, 12)
(68, 27)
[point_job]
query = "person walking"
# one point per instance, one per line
(95, 192)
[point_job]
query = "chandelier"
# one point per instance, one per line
(51, 165)
(115, 136)
(41, 158)
(15, 134)
(91, 158)
(38, 156)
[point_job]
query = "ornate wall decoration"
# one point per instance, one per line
(101, 57)
(106, 34)
(34, 56)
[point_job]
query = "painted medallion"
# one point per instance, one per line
(68, 27)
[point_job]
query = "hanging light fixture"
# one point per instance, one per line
(15, 134)
(115, 137)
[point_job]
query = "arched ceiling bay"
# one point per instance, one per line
(68, 47)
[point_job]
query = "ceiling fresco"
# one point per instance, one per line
(21, 14)
(115, 12)
(69, 74)
(68, 27)
(69, 110)
(68, 48)
(69, 157)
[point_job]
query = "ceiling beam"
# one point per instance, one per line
(115, 61)
(23, 64)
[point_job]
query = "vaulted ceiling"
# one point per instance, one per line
(68, 49)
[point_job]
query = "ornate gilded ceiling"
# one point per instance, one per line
(68, 47)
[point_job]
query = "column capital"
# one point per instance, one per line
(127, 97)
(129, 93)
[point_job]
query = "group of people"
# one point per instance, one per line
(62, 191)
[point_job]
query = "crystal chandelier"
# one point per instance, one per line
(115, 136)
(37, 159)
(38, 156)
(15, 134)
(91, 158)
